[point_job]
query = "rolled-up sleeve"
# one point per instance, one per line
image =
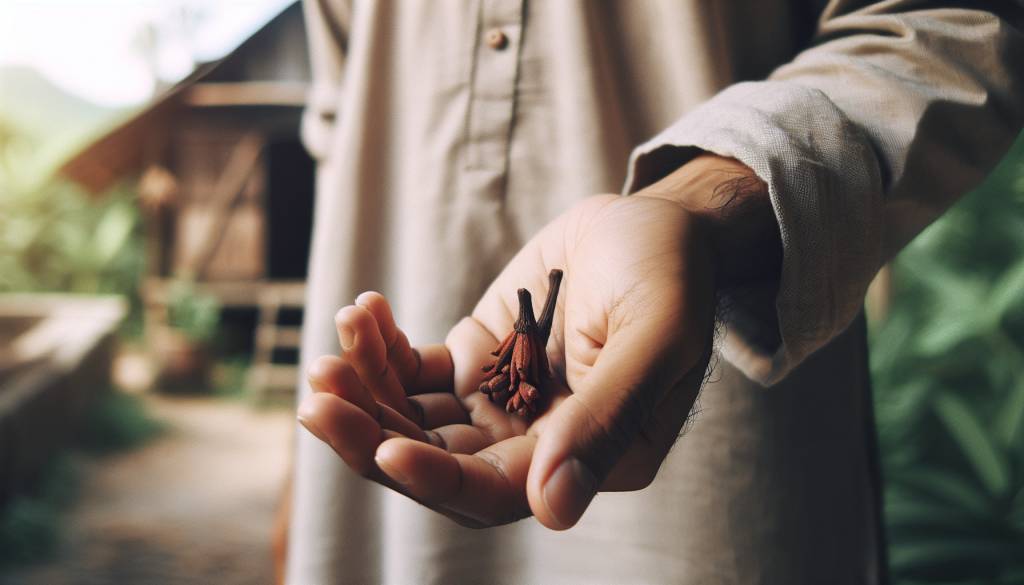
(863, 139)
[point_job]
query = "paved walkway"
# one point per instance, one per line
(194, 506)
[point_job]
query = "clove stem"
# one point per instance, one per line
(547, 314)
(526, 322)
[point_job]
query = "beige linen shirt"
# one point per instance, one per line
(448, 132)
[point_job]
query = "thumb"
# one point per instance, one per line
(588, 433)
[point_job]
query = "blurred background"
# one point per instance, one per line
(155, 209)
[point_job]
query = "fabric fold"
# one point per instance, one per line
(825, 186)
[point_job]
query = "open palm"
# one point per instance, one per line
(629, 347)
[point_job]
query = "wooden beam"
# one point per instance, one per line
(247, 93)
(230, 184)
(247, 293)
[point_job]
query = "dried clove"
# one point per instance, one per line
(521, 362)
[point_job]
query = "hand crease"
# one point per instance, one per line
(390, 346)
(419, 363)
(417, 408)
(439, 440)
(493, 461)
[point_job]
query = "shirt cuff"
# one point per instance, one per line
(826, 190)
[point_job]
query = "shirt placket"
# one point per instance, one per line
(492, 101)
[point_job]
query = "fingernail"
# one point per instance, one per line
(348, 337)
(569, 491)
(391, 471)
(311, 427)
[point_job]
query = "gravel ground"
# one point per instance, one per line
(193, 506)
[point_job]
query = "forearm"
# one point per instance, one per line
(862, 140)
(733, 205)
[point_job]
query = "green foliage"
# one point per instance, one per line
(117, 422)
(948, 366)
(57, 238)
(42, 125)
(193, 313)
(53, 235)
(30, 525)
(229, 377)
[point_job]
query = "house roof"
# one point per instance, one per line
(126, 146)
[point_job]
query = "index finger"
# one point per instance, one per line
(422, 369)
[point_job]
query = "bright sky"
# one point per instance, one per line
(97, 48)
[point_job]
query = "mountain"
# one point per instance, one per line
(34, 104)
(46, 121)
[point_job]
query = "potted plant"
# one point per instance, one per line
(183, 345)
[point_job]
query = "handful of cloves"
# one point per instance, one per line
(522, 359)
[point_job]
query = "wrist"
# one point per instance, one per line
(732, 205)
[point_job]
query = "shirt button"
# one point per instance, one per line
(496, 39)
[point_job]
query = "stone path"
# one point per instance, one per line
(194, 506)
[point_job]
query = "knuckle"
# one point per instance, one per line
(435, 438)
(416, 410)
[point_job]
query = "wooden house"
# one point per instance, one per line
(224, 182)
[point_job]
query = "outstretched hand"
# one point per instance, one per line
(629, 348)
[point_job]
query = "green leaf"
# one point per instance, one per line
(947, 486)
(906, 557)
(113, 232)
(196, 314)
(1010, 418)
(1016, 516)
(947, 332)
(975, 443)
(1007, 292)
(934, 516)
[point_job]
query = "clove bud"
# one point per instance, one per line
(521, 362)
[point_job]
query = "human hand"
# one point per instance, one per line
(629, 348)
